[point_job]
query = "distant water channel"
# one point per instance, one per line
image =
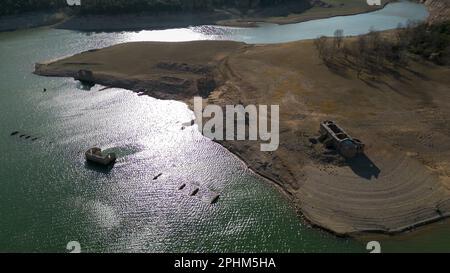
(50, 196)
(390, 17)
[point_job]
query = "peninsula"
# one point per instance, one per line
(399, 108)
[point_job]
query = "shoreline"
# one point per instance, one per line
(298, 17)
(290, 196)
(138, 22)
(220, 17)
(439, 11)
(336, 196)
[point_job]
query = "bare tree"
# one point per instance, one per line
(322, 47)
(338, 38)
(362, 54)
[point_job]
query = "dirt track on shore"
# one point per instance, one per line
(403, 180)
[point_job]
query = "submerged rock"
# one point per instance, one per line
(194, 192)
(215, 199)
(158, 176)
(86, 77)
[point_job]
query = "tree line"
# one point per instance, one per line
(9, 7)
(377, 53)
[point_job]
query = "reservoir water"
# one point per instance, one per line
(49, 196)
(390, 17)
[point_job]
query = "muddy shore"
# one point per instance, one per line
(402, 181)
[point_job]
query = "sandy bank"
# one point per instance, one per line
(402, 182)
(320, 10)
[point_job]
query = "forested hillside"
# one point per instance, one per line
(8, 7)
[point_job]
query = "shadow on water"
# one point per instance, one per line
(99, 168)
(125, 150)
(364, 167)
(84, 86)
